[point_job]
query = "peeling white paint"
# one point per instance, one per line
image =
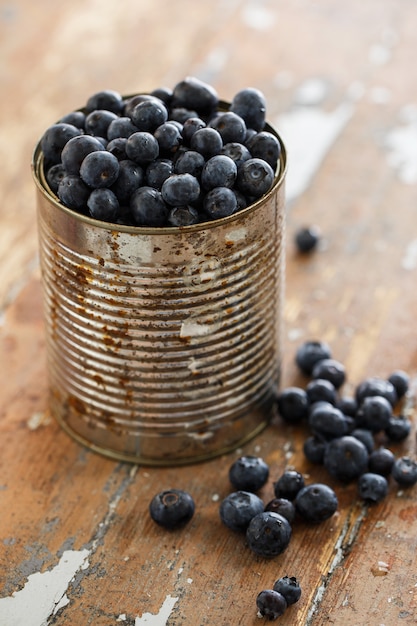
(44, 593)
(409, 260)
(401, 145)
(161, 618)
(38, 419)
(258, 17)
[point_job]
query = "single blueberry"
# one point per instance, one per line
(238, 508)
(249, 473)
(271, 604)
(218, 171)
(288, 484)
(54, 175)
(158, 171)
(330, 370)
(149, 114)
(231, 126)
(372, 487)
(237, 152)
(400, 381)
(190, 126)
(293, 404)
(54, 139)
(365, 436)
(181, 115)
(206, 141)
(398, 429)
(142, 147)
(313, 449)
(73, 192)
(310, 353)
(376, 386)
(183, 216)
(103, 205)
(76, 118)
(316, 502)
(264, 145)
(345, 458)
(192, 93)
(99, 169)
(347, 405)
(98, 122)
(219, 202)
(118, 148)
(289, 587)
(168, 137)
(255, 177)
(130, 178)
(404, 471)
(249, 103)
(282, 506)
(164, 94)
(268, 534)
(381, 461)
(132, 102)
(106, 99)
(172, 508)
(321, 389)
(180, 189)
(189, 162)
(307, 238)
(328, 421)
(121, 127)
(374, 413)
(75, 151)
(148, 207)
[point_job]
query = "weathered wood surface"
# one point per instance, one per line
(345, 69)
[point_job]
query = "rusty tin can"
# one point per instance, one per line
(163, 344)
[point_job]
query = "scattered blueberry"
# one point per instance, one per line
(376, 386)
(346, 458)
(268, 534)
(398, 428)
(172, 508)
(331, 370)
(288, 484)
(372, 487)
(289, 587)
(271, 604)
(249, 473)
(381, 461)
(327, 421)
(313, 449)
(282, 506)
(310, 353)
(238, 508)
(321, 389)
(374, 413)
(404, 471)
(293, 404)
(316, 502)
(307, 238)
(400, 380)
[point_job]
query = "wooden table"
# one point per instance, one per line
(77, 544)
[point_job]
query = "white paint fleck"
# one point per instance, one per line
(189, 581)
(161, 618)
(193, 328)
(237, 234)
(401, 145)
(63, 602)
(39, 418)
(215, 497)
(311, 92)
(43, 594)
(294, 334)
(409, 260)
(258, 17)
(379, 54)
(180, 571)
(122, 617)
(308, 134)
(380, 95)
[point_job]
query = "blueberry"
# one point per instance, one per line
(345, 458)
(374, 413)
(106, 99)
(75, 118)
(99, 169)
(250, 104)
(132, 102)
(404, 471)
(255, 177)
(103, 205)
(73, 192)
(330, 370)
(288, 484)
(282, 506)
(98, 122)
(118, 148)
(158, 171)
(168, 137)
(172, 508)
(381, 461)
(365, 436)
(142, 147)
(54, 139)
(321, 389)
(264, 145)
(372, 487)
(398, 429)
(181, 115)
(376, 386)
(307, 238)
(289, 587)
(400, 381)
(75, 151)
(313, 449)
(149, 114)
(189, 162)
(268, 534)
(231, 127)
(148, 207)
(328, 421)
(219, 202)
(249, 473)
(54, 175)
(271, 604)
(316, 502)
(207, 141)
(347, 405)
(192, 93)
(180, 189)
(163, 93)
(218, 171)
(121, 127)
(238, 508)
(183, 216)
(130, 178)
(190, 126)
(310, 353)
(293, 404)
(241, 200)
(237, 152)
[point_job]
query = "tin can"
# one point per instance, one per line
(163, 344)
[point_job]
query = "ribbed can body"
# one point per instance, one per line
(163, 345)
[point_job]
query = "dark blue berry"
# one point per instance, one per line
(118, 148)
(345, 458)
(316, 502)
(107, 99)
(289, 587)
(330, 370)
(288, 484)
(365, 436)
(372, 487)
(54, 139)
(169, 138)
(158, 171)
(219, 202)
(271, 604)
(264, 145)
(310, 353)
(398, 429)
(142, 147)
(282, 506)
(268, 534)
(189, 162)
(190, 126)
(255, 177)
(75, 118)
(73, 192)
(192, 93)
(172, 508)
(321, 389)
(54, 175)
(231, 127)
(206, 141)
(307, 238)
(248, 473)
(347, 405)
(183, 216)
(121, 127)
(99, 169)
(163, 93)
(180, 189)
(327, 421)
(148, 207)
(374, 413)
(404, 471)
(293, 404)
(313, 449)
(218, 171)
(130, 178)
(181, 115)
(75, 151)
(250, 104)
(103, 205)
(400, 381)
(149, 114)
(381, 461)
(237, 152)
(132, 102)
(376, 386)
(238, 508)
(98, 122)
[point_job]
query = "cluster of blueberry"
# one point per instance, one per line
(168, 158)
(273, 602)
(350, 435)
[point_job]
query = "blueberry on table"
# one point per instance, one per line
(271, 604)
(249, 104)
(220, 202)
(307, 238)
(310, 353)
(103, 205)
(288, 484)
(283, 507)
(313, 449)
(372, 487)
(268, 534)
(148, 207)
(255, 177)
(374, 413)
(346, 458)
(330, 370)
(249, 473)
(99, 169)
(327, 421)
(293, 404)
(381, 461)
(320, 389)
(316, 502)
(238, 508)
(289, 587)
(375, 386)
(347, 405)
(404, 471)
(400, 381)
(398, 429)
(172, 508)
(365, 436)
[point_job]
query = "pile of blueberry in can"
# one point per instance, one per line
(168, 158)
